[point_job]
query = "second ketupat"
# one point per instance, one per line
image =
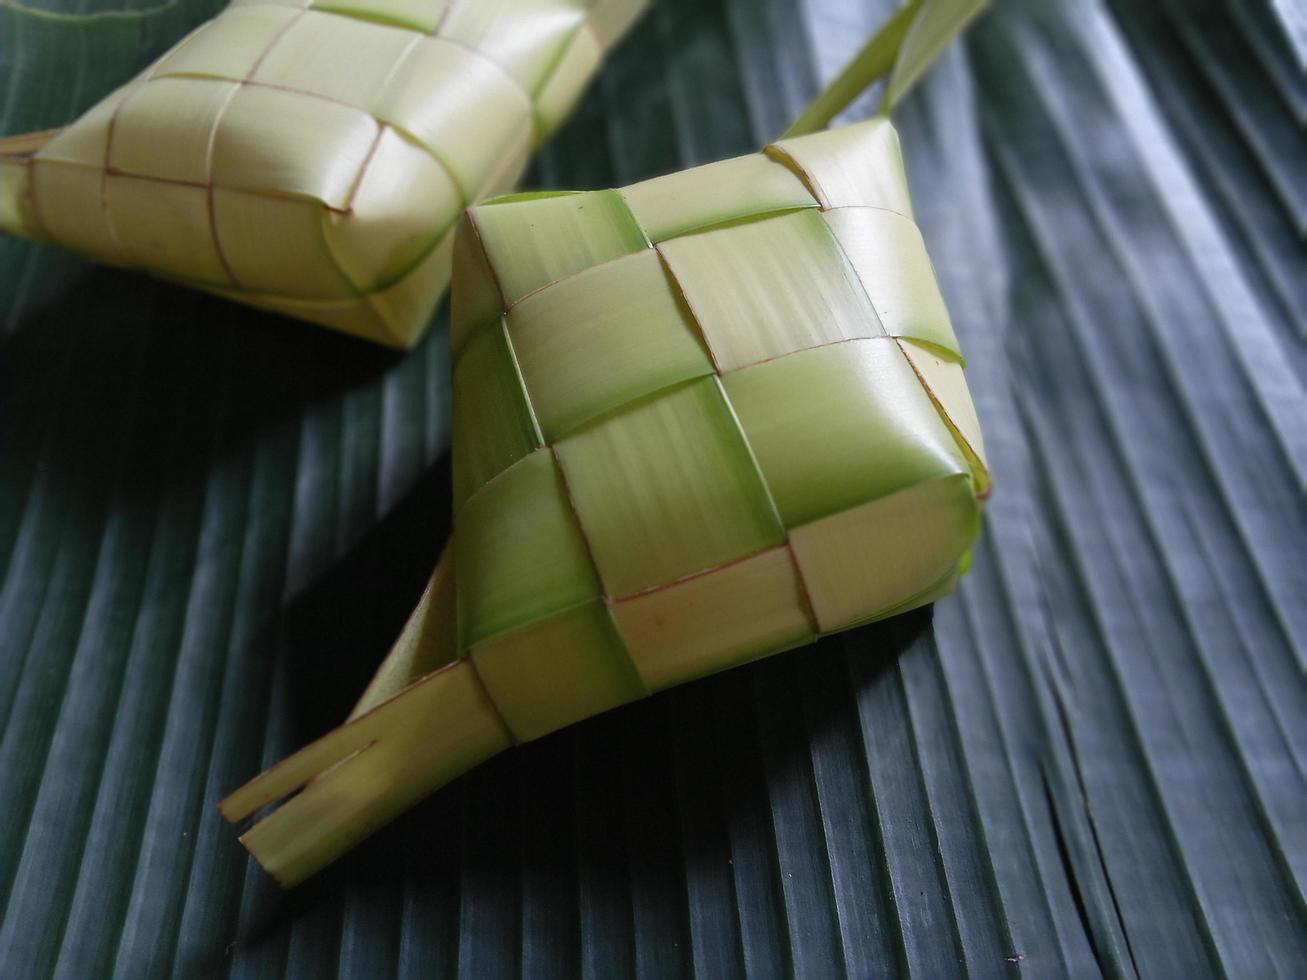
(698, 420)
(311, 156)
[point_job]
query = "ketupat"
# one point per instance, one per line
(698, 420)
(312, 156)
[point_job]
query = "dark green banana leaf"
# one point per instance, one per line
(1090, 760)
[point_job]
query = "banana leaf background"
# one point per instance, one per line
(1090, 760)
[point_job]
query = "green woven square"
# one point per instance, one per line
(229, 46)
(582, 355)
(546, 237)
(520, 554)
(839, 426)
(72, 208)
(666, 488)
(765, 288)
(875, 558)
(176, 248)
(293, 247)
(716, 620)
(525, 38)
(133, 149)
(556, 671)
(690, 200)
(889, 257)
(467, 135)
(249, 156)
(308, 57)
(488, 442)
(405, 185)
(853, 166)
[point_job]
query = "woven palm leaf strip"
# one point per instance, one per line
(313, 159)
(698, 420)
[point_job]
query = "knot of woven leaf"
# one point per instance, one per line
(312, 158)
(699, 420)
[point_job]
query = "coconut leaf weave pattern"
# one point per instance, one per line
(312, 158)
(698, 420)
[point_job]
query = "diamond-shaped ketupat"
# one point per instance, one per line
(698, 421)
(313, 158)
(680, 445)
(764, 404)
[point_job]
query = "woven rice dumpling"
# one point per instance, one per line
(312, 157)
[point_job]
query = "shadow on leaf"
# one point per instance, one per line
(688, 777)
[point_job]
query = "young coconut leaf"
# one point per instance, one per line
(245, 161)
(785, 448)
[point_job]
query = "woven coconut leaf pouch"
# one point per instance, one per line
(698, 420)
(312, 156)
